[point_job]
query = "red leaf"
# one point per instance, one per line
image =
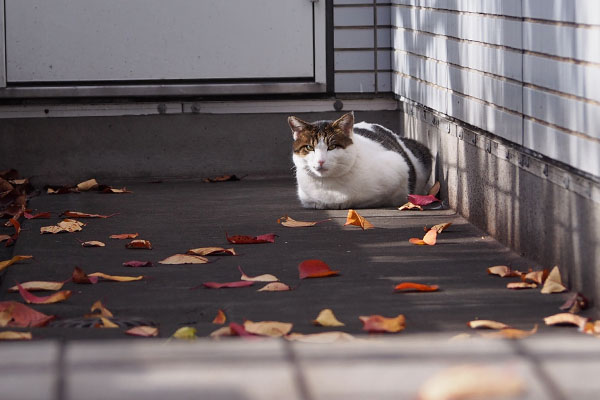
(23, 316)
(239, 330)
(125, 236)
(420, 200)
(419, 287)
(315, 269)
(77, 214)
(139, 244)
(36, 216)
(242, 239)
(136, 264)
(53, 298)
(219, 285)
(81, 277)
(220, 318)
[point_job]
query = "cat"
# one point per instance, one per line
(340, 164)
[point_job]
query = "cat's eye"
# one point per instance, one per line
(332, 147)
(308, 147)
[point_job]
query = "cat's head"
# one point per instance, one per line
(323, 148)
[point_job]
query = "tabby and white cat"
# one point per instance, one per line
(340, 164)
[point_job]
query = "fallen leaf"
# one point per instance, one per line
(238, 330)
(61, 189)
(274, 287)
(440, 227)
(87, 185)
(5, 317)
(315, 269)
(292, 223)
(566, 319)
(222, 178)
(12, 335)
(421, 200)
(487, 324)
(220, 285)
(553, 283)
(410, 206)
(268, 328)
(77, 214)
(243, 239)
(321, 338)
(222, 331)
(38, 285)
(327, 318)
(212, 251)
(575, 302)
(37, 216)
(259, 278)
(53, 298)
(92, 243)
(137, 264)
(104, 312)
(354, 218)
(79, 276)
(24, 316)
(591, 328)
(67, 225)
(143, 331)
(510, 333)
(106, 323)
(435, 189)
(110, 190)
(116, 278)
(472, 382)
(185, 333)
(15, 259)
(220, 318)
(536, 276)
(139, 244)
(430, 238)
(418, 287)
(179, 259)
(121, 236)
(13, 238)
(378, 323)
(521, 285)
(503, 271)
(417, 241)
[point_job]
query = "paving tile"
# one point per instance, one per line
(28, 371)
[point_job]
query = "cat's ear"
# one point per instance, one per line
(345, 123)
(297, 126)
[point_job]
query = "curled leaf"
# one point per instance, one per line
(38, 285)
(106, 323)
(274, 287)
(243, 239)
(79, 276)
(122, 236)
(212, 251)
(503, 271)
(259, 278)
(137, 264)
(315, 269)
(92, 243)
(378, 323)
(410, 206)
(15, 259)
(220, 318)
(221, 285)
(179, 259)
(421, 200)
(354, 218)
(566, 319)
(520, 285)
(575, 302)
(222, 331)
(116, 278)
(440, 227)
(185, 333)
(510, 333)
(87, 185)
(77, 214)
(292, 223)
(327, 318)
(418, 287)
(268, 328)
(53, 298)
(553, 283)
(12, 335)
(23, 316)
(40, 215)
(430, 238)
(104, 312)
(139, 244)
(487, 324)
(143, 331)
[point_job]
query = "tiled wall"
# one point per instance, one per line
(362, 47)
(525, 70)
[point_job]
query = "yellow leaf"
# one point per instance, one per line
(268, 328)
(440, 227)
(15, 259)
(185, 333)
(566, 318)
(409, 206)
(107, 323)
(98, 306)
(510, 333)
(553, 283)
(178, 259)
(117, 278)
(292, 223)
(355, 218)
(12, 335)
(92, 243)
(38, 285)
(211, 251)
(327, 318)
(486, 323)
(87, 185)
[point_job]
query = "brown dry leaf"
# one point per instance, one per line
(521, 285)
(259, 278)
(356, 219)
(575, 303)
(139, 244)
(12, 335)
(77, 214)
(487, 324)
(53, 298)
(87, 185)
(179, 259)
(143, 331)
(116, 278)
(591, 328)
(553, 283)
(33, 286)
(268, 328)
(503, 271)
(510, 333)
(430, 238)
(440, 227)
(327, 318)
(435, 189)
(321, 338)
(67, 225)
(378, 323)
(106, 323)
(92, 243)
(274, 287)
(98, 306)
(15, 259)
(292, 223)
(121, 236)
(220, 318)
(536, 276)
(222, 331)
(410, 206)
(566, 319)
(212, 251)
(470, 382)
(23, 316)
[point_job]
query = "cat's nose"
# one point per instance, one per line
(321, 162)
